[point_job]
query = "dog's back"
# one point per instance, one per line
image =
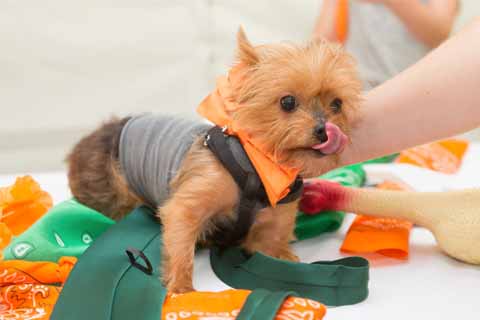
(152, 148)
(130, 161)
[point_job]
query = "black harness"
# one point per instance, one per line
(232, 155)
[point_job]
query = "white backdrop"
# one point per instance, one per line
(67, 65)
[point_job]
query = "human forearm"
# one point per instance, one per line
(436, 98)
(325, 22)
(429, 23)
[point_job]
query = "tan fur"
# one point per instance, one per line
(272, 232)
(203, 192)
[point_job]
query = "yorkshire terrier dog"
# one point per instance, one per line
(297, 102)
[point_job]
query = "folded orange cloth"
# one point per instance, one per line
(5, 237)
(28, 301)
(442, 156)
(21, 205)
(386, 236)
(43, 272)
(227, 305)
(218, 107)
(29, 290)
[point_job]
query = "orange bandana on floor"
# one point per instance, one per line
(443, 156)
(21, 205)
(386, 236)
(227, 305)
(217, 107)
(29, 290)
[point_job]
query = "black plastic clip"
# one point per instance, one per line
(131, 253)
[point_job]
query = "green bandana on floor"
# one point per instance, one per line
(67, 229)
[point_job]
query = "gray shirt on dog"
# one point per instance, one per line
(151, 150)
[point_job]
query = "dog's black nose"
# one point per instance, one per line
(320, 132)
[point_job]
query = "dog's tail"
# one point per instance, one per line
(94, 174)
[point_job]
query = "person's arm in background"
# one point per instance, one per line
(436, 98)
(429, 22)
(325, 22)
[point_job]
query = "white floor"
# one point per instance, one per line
(427, 286)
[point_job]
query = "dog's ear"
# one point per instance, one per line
(246, 52)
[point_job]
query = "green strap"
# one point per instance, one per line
(269, 306)
(334, 283)
(262, 304)
(251, 304)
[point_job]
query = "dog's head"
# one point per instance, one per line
(298, 101)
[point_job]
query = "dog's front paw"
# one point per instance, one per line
(284, 253)
(288, 255)
(177, 282)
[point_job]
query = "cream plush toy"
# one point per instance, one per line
(453, 217)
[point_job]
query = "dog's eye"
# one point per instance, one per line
(336, 105)
(288, 103)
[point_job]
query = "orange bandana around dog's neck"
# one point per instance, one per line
(217, 108)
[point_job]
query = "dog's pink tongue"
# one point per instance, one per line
(336, 140)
